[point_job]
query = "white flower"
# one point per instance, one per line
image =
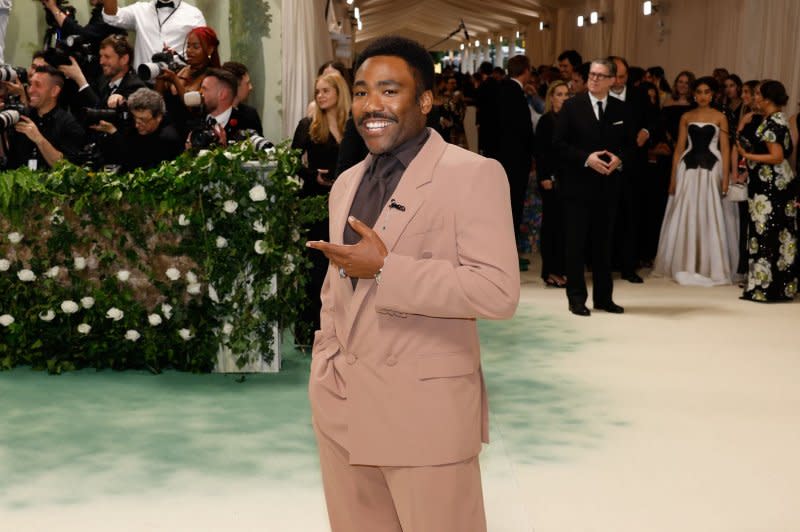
(87, 302)
(80, 263)
(123, 275)
(47, 316)
(228, 155)
(52, 272)
(212, 294)
(26, 275)
(761, 270)
(57, 218)
(191, 278)
(5, 264)
(194, 288)
(183, 221)
(209, 225)
(296, 180)
(69, 307)
(258, 193)
(84, 328)
(132, 335)
(260, 227)
(6, 320)
(288, 268)
(115, 314)
(230, 206)
(221, 242)
(227, 329)
(154, 320)
(295, 235)
(15, 238)
(173, 274)
(260, 246)
(273, 198)
(166, 310)
(186, 334)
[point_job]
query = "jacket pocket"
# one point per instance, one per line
(454, 364)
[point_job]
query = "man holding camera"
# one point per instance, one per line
(150, 142)
(118, 80)
(157, 23)
(49, 133)
(219, 89)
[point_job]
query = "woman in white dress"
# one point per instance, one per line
(696, 246)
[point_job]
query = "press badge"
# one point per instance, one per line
(33, 164)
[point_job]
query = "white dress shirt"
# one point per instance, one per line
(622, 95)
(156, 27)
(223, 118)
(594, 105)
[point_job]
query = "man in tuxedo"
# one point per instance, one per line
(420, 246)
(514, 143)
(117, 82)
(593, 138)
(485, 117)
(633, 190)
(219, 89)
(249, 118)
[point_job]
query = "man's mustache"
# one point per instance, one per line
(376, 116)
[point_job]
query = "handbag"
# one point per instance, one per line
(736, 192)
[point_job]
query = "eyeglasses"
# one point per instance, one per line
(598, 76)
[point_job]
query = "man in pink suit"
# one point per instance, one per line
(422, 244)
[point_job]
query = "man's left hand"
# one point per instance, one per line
(614, 163)
(27, 127)
(362, 260)
(642, 137)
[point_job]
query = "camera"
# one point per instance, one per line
(160, 62)
(260, 143)
(71, 46)
(12, 74)
(203, 137)
(93, 116)
(8, 118)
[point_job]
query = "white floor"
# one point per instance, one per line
(683, 414)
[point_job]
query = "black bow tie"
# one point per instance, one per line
(159, 5)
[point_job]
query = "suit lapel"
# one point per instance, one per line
(410, 193)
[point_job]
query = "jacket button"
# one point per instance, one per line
(351, 358)
(391, 361)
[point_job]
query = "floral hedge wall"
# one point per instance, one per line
(152, 269)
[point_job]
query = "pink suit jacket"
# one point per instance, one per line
(396, 375)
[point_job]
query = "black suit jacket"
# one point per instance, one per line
(98, 95)
(247, 118)
(515, 145)
(578, 133)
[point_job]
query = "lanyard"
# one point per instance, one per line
(160, 22)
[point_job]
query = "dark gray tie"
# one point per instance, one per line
(600, 111)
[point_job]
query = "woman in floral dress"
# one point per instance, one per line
(772, 245)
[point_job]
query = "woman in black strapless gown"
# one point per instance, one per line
(694, 244)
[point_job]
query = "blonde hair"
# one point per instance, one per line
(551, 89)
(320, 132)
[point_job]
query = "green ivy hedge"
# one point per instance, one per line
(152, 269)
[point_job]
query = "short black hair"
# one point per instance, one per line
(225, 77)
(572, 56)
(235, 68)
(706, 80)
(583, 71)
(774, 91)
(656, 72)
(413, 53)
(57, 75)
(517, 65)
(485, 68)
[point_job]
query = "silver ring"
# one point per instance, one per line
(342, 273)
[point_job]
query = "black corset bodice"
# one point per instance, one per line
(700, 156)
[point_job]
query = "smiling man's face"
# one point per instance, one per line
(386, 109)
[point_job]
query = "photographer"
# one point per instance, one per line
(118, 80)
(158, 24)
(93, 32)
(49, 133)
(248, 116)
(219, 90)
(151, 142)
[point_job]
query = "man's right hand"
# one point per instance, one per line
(73, 71)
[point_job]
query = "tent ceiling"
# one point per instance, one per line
(429, 21)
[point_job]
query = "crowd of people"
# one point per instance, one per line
(93, 98)
(700, 185)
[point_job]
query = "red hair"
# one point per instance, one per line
(208, 38)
